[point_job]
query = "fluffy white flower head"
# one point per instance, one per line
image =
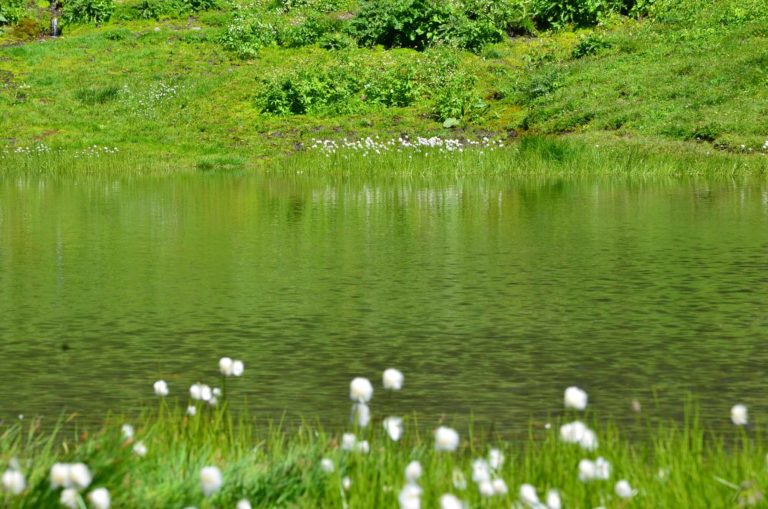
(575, 398)
(363, 446)
(99, 498)
(60, 476)
(326, 464)
(495, 459)
(480, 471)
(485, 488)
(499, 486)
(624, 490)
(238, 368)
(127, 432)
(553, 500)
(413, 471)
(348, 441)
(360, 390)
(80, 476)
(69, 498)
(13, 481)
(393, 379)
(191, 410)
(225, 366)
(243, 504)
(446, 439)
(363, 413)
(449, 501)
(528, 495)
(346, 483)
(394, 427)
(161, 388)
(139, 449)
(410, 497)
(739, 415)
(200, 392)
(211, 480)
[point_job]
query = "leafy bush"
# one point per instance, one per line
(305, 32)
(156, 9)
(581, 13)
(392, 88)
(11, 11)
(310, 91)
(88, 11)
(458, 99)
(589, 45)
(248, 32)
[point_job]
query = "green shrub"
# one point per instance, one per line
(157, 9)
(581, 13)
(88, 11)
(589, 45)
(305, 32)
(11, 11)
(248, 32)
(325, 91)
(28, 28)
(458, 99)
(396, 87)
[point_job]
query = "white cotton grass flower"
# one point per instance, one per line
(161, 388)
(393, 379)
(480, 471)
(624, 490)
(127, 431)
(495, 459)
(499, 486)
(244, 504)
(485, 488)
(211, 480)
(449, 501)
(139, 449)
(191, 410)
(200, 392)
(348, 441)
(362, 414)
(577, 432)
(528, 496)
(575, 398)
(326, 465)
(80, 476)
(346, 483)
(410, 497)
(360, 390)
(70, 498)
(413, 471)
(99, 498)
(446, 439)
(238, 368)
(553, 500)
(364, 447)
(739, 415)
(225, 366)
(60, 476)
(393, 427)
(458, 480)
(600, 469)
(13, 481)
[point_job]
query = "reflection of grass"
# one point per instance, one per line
(673, 465)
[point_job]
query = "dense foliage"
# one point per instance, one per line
(88, 11)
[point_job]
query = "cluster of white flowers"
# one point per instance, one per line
(589, 470)
(211, 480)
(74, 478)
(529, 498)
(577, 432)
(410, 495)
(231, 367)
(485, 475)
(446, 439)
(420, 144)
(13, 479)
(95, 151)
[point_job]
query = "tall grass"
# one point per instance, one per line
(670, 464)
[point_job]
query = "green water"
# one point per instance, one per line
(491, 295)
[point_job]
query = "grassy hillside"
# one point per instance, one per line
(249, 82)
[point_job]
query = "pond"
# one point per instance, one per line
(491, 294)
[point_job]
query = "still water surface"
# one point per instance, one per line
(491, 295)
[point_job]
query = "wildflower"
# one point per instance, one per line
(346, 483)
(161, 388)
(69, 498)
(458, 479)
(739, 415)
(99, 498)
(528, 495)
(588, 440)
(449, 501)
(60, 476)
(211, 480)
(499, 487)
(225, 366)
(80, 476)
(393, 379)
(480, 471)
(238, 368)
(191, 410)
(394, 427)
(363, 413)
(495, 459)
(139, 449)
(410, 497)
(243, 504)
(13, 481)
(553, 500)
(575, 398)
(363, 446)
(446, 439)
(360, 390)
(485, 488)
(326, 464)
(577, 433)
(591, 470)
(127, 431)
(348, 441)
(624, 490)
(200, 392)
(413, 471)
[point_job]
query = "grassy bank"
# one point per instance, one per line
(159, 463)
(189, 87)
